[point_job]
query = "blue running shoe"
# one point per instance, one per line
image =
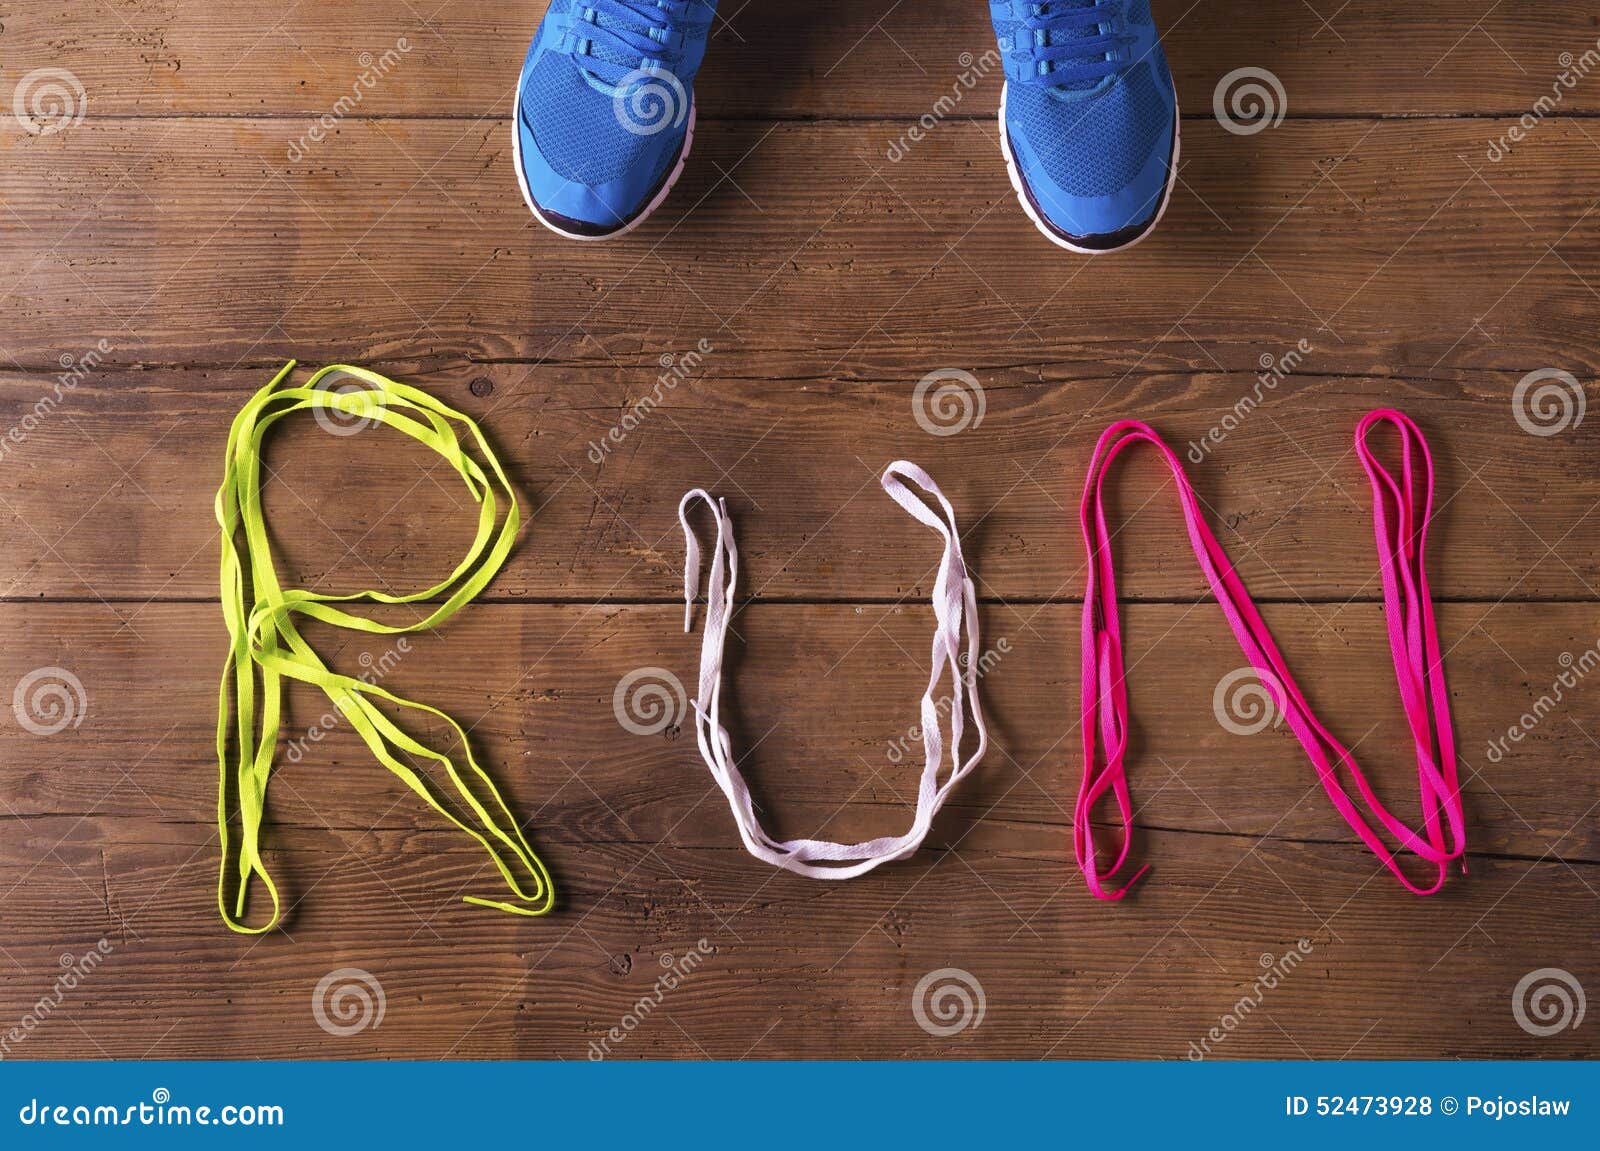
(1088, 118)
(605, 110)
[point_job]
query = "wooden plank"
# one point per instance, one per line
(796, 968)
(196, 241)
(823, 699)
(171, 246)
(108, 493)
(830, 58)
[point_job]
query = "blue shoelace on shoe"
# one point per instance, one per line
(612, 38)
(1063, 41)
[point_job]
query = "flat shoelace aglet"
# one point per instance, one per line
(1137, 875)
(691, 577)
(505, 905)
(1120, 892)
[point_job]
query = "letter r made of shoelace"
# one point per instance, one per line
(266, 647)
(954, 608)
(1401, 529)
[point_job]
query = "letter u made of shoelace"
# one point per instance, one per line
(954, 607)
(1401, 529)
(266, 647)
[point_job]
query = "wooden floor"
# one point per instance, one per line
(186, 236)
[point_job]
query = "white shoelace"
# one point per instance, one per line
(953, 601)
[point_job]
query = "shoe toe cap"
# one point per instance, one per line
(586, 167)
(1094, 171)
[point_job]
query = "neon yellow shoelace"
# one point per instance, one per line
(263, 634)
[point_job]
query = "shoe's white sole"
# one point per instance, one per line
(655, 202)
(1049, 233)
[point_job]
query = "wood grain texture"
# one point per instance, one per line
(798, 968)
(825, 725)
(798, 461)
(198, 241)
(647, 862)
(167, 254)
(770, 59)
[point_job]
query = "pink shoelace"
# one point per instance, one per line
(1413, 641)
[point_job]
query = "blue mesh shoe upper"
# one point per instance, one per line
(1094, 146)
(1089, 111)
(577, 132)
(603, 105)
